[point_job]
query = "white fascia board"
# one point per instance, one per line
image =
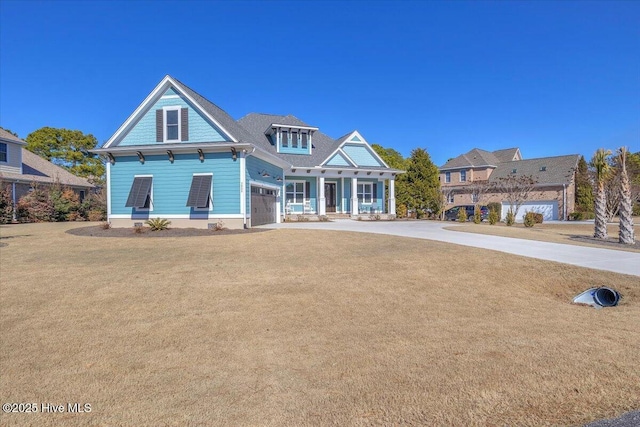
(337, 172)
(339, 150)
(278, 125)
(364, 142)
(16, 141)
(268, 157)
(180, 147)
(155, 94)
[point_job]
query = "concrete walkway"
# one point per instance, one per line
(582, 256)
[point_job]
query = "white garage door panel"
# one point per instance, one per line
(548, 209)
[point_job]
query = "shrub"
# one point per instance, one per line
(462, 215)
(138, 229)
(529, 219)
(495, 206)
(493, 216)
(65, 203)
(6, 205)
(35, 206)
(219, 225)
(401, 210)
(538, 217)
(581, 216)
(94, 206)
(477, 216)
(105, 225)
(510, 218)
(158, 224)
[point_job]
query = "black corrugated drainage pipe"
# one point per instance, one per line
(598, 297)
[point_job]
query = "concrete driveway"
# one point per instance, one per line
(600, 259)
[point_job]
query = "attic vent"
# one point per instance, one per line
(514, 170)
(543, 168)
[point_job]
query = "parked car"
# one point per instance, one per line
(452, 214)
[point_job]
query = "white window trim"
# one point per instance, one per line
(164, 122)
(451, 198)
(210, 208)
(465, 176)
(365, 193)
(447, 177)
(304, 192)
(150, 208)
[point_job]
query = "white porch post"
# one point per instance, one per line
(322, 207)
(354, 196)
(392, 196)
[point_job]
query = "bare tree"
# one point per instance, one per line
(477, 189)
(516, 189)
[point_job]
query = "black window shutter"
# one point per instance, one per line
(159, 136)
(375, 192)
(307, 189)
(200, 191)
(140, 193)
(184, 123)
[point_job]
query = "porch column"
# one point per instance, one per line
(354, 196)
(392, 196)
(322, 207)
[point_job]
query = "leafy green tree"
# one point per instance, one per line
(395, 160)
(423, 184)
(68, 149)
(602, 168)
(584, 189)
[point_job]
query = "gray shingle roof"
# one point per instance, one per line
(8, 136)
(37, 169)
(506, 155)
(473, 158)
(256, 124)
(557, 170)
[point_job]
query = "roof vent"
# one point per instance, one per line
(543, 168)
(514, 170)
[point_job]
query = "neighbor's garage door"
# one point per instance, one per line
(548, 209)
(263, 206)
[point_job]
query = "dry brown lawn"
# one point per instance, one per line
(554, 232)
(295, 327)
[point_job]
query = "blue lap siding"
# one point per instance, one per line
(172, 181)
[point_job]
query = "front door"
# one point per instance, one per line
(330, 196)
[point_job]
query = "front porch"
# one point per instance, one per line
(338, 197)
(311, 217)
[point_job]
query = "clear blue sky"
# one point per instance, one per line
(552, 78)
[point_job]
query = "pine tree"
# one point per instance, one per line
(423, 184)
(584, 189)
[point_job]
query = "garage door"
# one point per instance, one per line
(548, 209)
(263, 206)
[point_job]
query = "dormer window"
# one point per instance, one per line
(285, 138)
(305, 142)
(294, 139)
(291, 139)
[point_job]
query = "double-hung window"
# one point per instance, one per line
(295, 192)
(285, 138)
(3, 152)
(294, 139)
(447, 177)
(450, 198)
(305, 140)
(463, 176)
(172, 124)
(365, 193)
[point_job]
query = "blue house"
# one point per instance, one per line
(179, 156)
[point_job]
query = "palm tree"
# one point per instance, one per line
(626, 217)
(602, 168)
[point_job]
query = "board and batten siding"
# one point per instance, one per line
(200, 129)
(254, 169)
(14, 159)
(172, 181)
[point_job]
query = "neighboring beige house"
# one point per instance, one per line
(21, 170)
(553, 196)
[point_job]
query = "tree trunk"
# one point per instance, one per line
(626, 217)
(601, 214)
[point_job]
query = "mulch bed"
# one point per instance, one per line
(612, 242)
(98, 231)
